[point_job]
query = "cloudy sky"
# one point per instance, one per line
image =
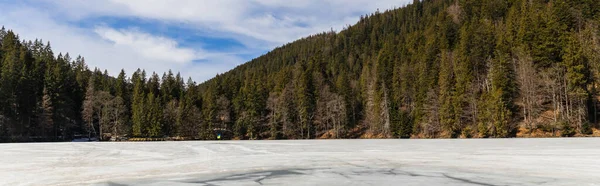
(198, 38)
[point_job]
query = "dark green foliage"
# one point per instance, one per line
(586, 128)
(434, 68)
(153, 116)
(567, 130)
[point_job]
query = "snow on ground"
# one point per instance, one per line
(484, 162)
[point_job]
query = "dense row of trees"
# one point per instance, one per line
(435, 68)
(47, 97)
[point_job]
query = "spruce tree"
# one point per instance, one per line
(153, 116)
(138, 105)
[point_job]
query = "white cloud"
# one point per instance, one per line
(149, 46)
(114, 50)
(259, 25)
(274, 22)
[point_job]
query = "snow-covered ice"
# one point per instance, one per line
(486, 162)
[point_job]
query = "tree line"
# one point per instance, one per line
(45, 97)
(434, 68)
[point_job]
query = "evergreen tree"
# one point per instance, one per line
(503, 93)
(153, 116)
(9, 77)
(305, 101)
(138, 105)
(433, 68)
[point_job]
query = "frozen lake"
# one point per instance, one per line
(484, 162)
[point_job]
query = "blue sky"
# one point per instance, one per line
(198, 38)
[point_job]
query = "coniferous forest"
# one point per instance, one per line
(431, 69)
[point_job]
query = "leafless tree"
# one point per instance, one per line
(274, 115)
(337, 111)
(170, 114)
(47, 110)
(224, 111)
(529, 85)
(431, 126)
(102, 101)
(88, 108)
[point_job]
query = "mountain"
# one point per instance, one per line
(434, 68)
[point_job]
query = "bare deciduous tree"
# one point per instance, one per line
(529, 85)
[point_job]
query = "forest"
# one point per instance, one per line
(430, 69)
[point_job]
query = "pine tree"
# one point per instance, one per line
(25, 94)
(188, 119)
(430, 69)
(107, 83)
(121, 85)
(138, 105)
(153, 116)
(168, 87)
(447, 92)
(153, 84)
(578, 79)
(503, 92)
(305, 102)
(9, 76)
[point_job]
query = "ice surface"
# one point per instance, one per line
(484, 162)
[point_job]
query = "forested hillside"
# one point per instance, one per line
(435, 68)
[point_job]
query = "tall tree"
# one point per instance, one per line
(88, 108)
(46, 113)
(154, 115)
(138, 105)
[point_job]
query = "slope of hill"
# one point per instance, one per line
(435, 68)
(440, 68)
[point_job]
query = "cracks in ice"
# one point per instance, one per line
(468, 181)
(274, 174)
(257, 177)
(352, 172)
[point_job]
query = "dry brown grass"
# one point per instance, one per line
(536, 133)
(595, 132)
(327, 135)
